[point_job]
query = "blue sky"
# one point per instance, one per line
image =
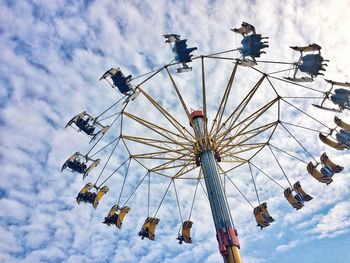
(53, 54)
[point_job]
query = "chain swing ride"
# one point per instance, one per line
(214, 143)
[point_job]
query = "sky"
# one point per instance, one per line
(53, 54)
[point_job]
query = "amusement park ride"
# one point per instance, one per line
(208, 143)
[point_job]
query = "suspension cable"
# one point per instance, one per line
(167, 189)
(99, 139)
(279, 71)
(287, 153)
(110, 116)
(148, 193)
(126, 175)
(285, 175)
(237, 52)
(104, 147)
(291, 61)
(194, 196)
(103, 134)
(239, 190)
(296, 84)
(301, 127)
(274, 62)
(205, 192)
(299, 143)
(301, 97)
(224, 185)
(145, 74)
(133, 192)
(222, 52)
(110, 107)
(177, 201)
(153, 73)
(109, 157)
(306, 114)
(116, 170)
(114, 87)
(267, 175)
(256, 191)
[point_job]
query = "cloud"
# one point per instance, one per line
(336, 222)
(53, 55)
(288, 246)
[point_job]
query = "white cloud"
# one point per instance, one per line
(288, 246)
(336, 222)
(53, 55)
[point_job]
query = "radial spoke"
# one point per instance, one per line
(252, 118)
(219, 114)
(231, 120)
(181, 129)
(183, 104)
(247, 135)
(156, 128)
(158, 143)
(239, 149)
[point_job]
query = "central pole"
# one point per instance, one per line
(207, 158)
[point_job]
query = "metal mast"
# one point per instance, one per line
(225, 232)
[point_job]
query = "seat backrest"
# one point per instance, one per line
(288, 193)
(186, 231)
(99, 195)
(113, 210)
(298, 189)
(331, 143)
(326, 161)
(121, 216)
(262, 216)
(341, 123)
(150, 226)
(318, 175)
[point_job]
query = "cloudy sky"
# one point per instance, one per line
(53, 54)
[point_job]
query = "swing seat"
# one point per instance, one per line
(119, 80)
(100, 132)
(318, 175)
(70, 159)
(331, 143)
(297, 200)
(341, 97)
(245, 29)
(262, 216)
(121, 216)
(75, 118)
(327, 162)
(343, 137)
(92, 166)
(298, 189)
(148, 228)
(88, 124)
(297, 204)
(99, 195)
(185, 232)
(114, 218)
(341, 124)
(83, 191)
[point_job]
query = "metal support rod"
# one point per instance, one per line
(225, 232)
